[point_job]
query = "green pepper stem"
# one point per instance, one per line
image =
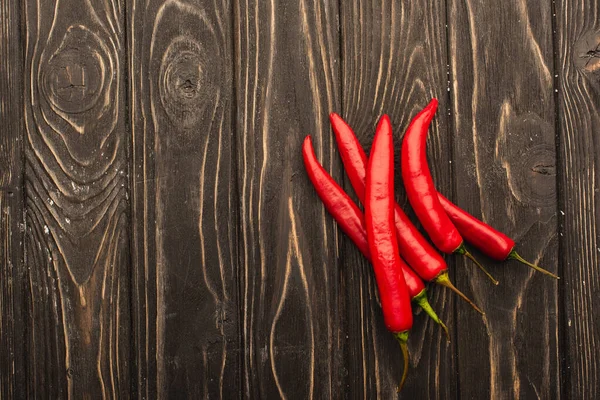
(423, 302)
(513, 254)
(463, 250)
(402, 338)
(444, 280)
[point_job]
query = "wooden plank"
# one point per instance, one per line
(78, 290)
(504, 162)
(578, 65)
(184, 196)
(11, 96)
(394, 62)
(287, 61)
(12, 373)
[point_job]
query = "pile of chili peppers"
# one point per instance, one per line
(401, 256)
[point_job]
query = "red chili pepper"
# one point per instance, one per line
(488, 240)
(352, 222)
(421, 191)
(413, 247)
(336, 201)
(379, 218)
(418, 294)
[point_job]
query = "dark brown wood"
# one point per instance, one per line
(395, 62)
(12, 314)
(159, 237)
(578, 95)
(77, 252)
(184, 198)
(505, 173)
(12, 374)
(11, 99)
(287, 81)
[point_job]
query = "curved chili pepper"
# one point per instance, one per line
(336, 201)
(379, 218)
(418, 294)
(421, 190)
(488, 240)
(352, 222)
(413, 247)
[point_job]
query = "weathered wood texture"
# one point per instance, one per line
(505, 173)
(11, 201)
(395, 62)
(12, 366)
(159, 237)
(184, 200)
(77, 252)
(287, 80)
(578, 91)
(11, 101)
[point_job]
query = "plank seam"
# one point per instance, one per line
(342, 378)
(133, 345)
(20, 311)
(451, 129)
(563, 371)
(342, 57)
(234, 5)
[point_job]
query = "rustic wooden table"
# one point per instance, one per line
(160, 238)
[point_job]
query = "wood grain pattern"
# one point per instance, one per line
(577, 47)
(287, 60)
(395, 62)
(12, 373)
(184, 196)
(159, 237)
(12, 351)
(76, 211)
(503, 115)
(11, 96)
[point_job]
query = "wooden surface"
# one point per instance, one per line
(13, 313)
(76, 211)
(286, 82)
(577, 47)
(160, 239)
(505, 172)
(185, 292)
(405, 68)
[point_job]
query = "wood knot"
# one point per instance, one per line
(534, 177)
(73, 78)
(528, 155)
(549, 170)
(183, 85)
(587, 53)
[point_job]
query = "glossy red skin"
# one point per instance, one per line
(379, 218)
(345, 212)
(488, 240)
(420, 189)
(414, 284)
(413, 246)
(336, 201)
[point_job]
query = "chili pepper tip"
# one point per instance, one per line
(513, 254)
(402, 338)
(444, 280)
(432, 103)
(463, 251)
(445, 329)
(423, 302)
